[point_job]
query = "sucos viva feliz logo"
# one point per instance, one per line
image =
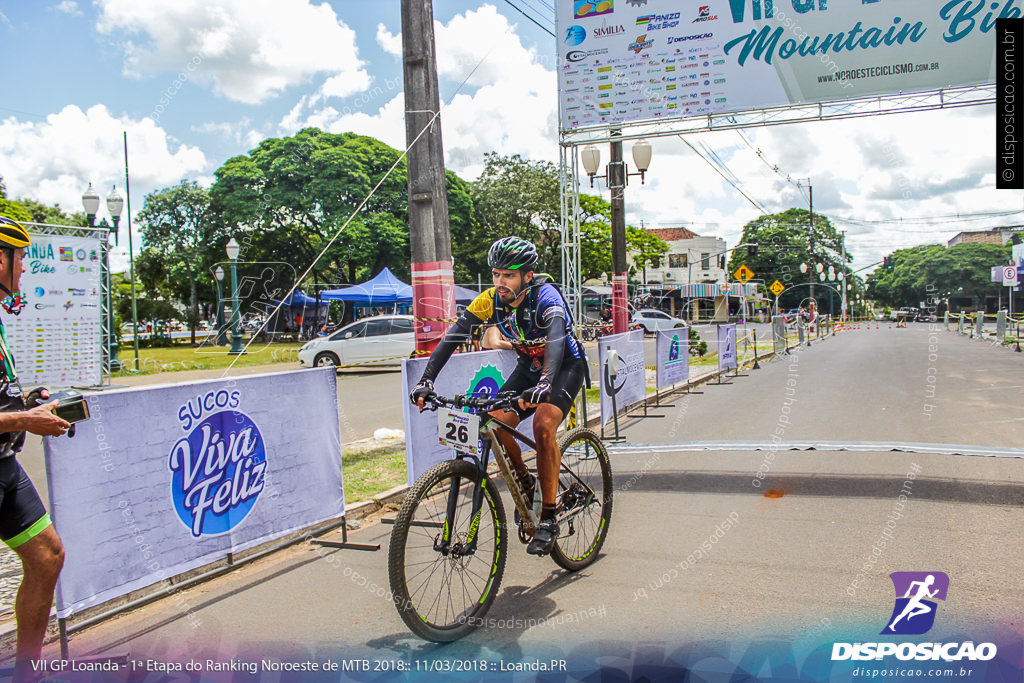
(914, 614)
(218, 469)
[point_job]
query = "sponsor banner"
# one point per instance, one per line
(662, 59)
(726, 347)
(219, 466)
(630, 385)
(673, 353)
(477, 373)
(56, 340)
(779, 339)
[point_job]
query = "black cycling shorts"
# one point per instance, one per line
(564, 388)
(22, 514)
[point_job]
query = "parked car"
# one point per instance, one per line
(652, 320)
(377, 341)
(907, 313)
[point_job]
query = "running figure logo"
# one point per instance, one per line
(914, 612)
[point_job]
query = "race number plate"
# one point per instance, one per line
(458, 430)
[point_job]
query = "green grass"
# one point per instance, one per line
(185, 357)
(369, 472)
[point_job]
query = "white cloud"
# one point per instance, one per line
(241, 132)
(250, 50)
(508, 103)
(53, 161)
(871, 169)
(68, 7)
(5, 21)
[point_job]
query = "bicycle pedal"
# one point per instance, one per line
(523, 537)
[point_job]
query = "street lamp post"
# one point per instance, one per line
(616, 176)
(115, 203)
(236, 331)
(91, 205)
(221, 338)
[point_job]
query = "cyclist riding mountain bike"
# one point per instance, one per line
(532, 315)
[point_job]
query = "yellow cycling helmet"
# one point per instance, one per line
(12, 234)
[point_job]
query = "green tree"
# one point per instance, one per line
(153, 304)
(930, 271)
(178, 230)
(15, 210)
(645, 248)
(288, 197)
(52, 215)
(517, 196)
(784, 242)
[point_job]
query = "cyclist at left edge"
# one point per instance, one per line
(532, 315)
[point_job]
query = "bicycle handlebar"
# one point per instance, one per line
(501, 400)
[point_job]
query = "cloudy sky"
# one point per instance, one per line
(195, 82)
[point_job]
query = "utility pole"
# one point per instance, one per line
(812, 270)
(617, 184)
(430, 242)
(844, 283)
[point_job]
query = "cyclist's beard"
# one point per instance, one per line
(507, 295)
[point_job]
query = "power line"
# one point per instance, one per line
(719, 171)
(523, 12)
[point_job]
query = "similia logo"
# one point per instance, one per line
(217, 471)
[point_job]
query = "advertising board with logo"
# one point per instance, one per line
(726, 347)
(663, 59)
(673, 352)
(56, 338)
(630, 384)
(161, 480)
(479, 373)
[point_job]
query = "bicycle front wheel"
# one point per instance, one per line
(442, 590)
(585, 493)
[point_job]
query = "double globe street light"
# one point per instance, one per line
(115, 204)
(616, 176)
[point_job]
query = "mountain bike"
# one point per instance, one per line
(449, 543)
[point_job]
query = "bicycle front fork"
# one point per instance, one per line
(443, 542)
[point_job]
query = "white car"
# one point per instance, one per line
(370, 342)
(652, 321)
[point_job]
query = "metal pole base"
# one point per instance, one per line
(344, 544)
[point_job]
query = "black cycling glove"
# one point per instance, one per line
(424, 390)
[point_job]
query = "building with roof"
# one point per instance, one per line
(691, 259)
(999, 235)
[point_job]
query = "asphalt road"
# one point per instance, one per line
(794, 572)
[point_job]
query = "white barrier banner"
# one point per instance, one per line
(726, 347)
(478, 373)
(56, 340)
(165, 479)
(779, 336)
(630, 385)
(632, 60)
(673, 353)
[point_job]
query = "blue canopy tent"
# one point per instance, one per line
(384, 289)
(298, 304)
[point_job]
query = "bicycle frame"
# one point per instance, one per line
(491, 443)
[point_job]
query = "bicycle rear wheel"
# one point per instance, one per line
(442, 594)
(585, 492)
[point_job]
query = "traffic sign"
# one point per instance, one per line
(743, 273)
(777, 288)
(1010, 276)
